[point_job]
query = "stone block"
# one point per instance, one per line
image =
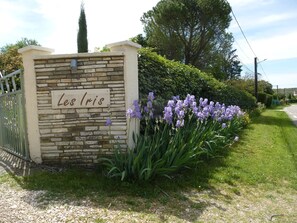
(91, 142)
(91, 128)
(76, 143)
(86, 133)
(59, 130)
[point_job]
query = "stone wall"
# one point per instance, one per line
(67, 105)
(79, 135)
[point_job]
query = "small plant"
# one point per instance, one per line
(257, 111)
(187, 130)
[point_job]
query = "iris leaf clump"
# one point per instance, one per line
(187, 131)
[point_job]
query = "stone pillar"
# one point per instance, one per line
(28, 54)
(131, 81)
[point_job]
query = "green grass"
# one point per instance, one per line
(265, 155)
(264, 158)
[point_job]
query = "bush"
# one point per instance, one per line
(268, 100)
(166, 78)
(257, 111)
(275, 102)
(265, 99)
(292, 100)
(188, 130)
(262, 98)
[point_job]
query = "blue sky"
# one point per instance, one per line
(271, 29)
(269, 25)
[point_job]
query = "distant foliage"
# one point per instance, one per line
(266, 99)
(10, 59)
(166, 78)
(248, 84)
(82, 35)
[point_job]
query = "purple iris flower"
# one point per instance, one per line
(180, 123)
(149, 105)
(129, 112)
(171, 103)
(151, 96)
(168, 114)
(108, 122)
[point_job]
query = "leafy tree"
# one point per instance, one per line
(140, 39)
(248, 85)
(187, 30)
(82, 35)
(10, 59)
(104, 49)
(223, 62)
(265, 86)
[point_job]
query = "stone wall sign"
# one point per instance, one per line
(86, 98)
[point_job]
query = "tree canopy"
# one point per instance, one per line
(82, 35)
(248, 84)
(10, 59)
(193, 32)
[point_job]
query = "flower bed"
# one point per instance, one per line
(187, 131)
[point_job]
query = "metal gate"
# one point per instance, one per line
(13, 136)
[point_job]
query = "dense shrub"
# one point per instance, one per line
(292, 100)
(268, 100)
(166, 78)
(262, 98)
(265, 99)
(258, 110)
(188, 130)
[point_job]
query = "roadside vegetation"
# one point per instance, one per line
(255, 179)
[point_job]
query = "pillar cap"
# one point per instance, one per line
(37, 48)
(124, 43)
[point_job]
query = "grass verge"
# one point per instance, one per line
(265, 156)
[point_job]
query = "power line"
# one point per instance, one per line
(248, 45)
(237, 43)
(243, 33)
(244, 64)
(264, 72)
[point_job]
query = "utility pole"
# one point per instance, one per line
(256, 76)
(277, 92)
(256, 79)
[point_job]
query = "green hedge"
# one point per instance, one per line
(262, 98)
(268, 100)
(167, 78)
(265, 99)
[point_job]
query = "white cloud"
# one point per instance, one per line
(277, 47)
(10, 19)
(275, 18)
(281, 46)
(251, 3)
(265, 21)
(283, 80)
(107, 21)
(63, 17)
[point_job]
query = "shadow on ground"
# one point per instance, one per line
(270, 120)
(186, 196)
(14, 165)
